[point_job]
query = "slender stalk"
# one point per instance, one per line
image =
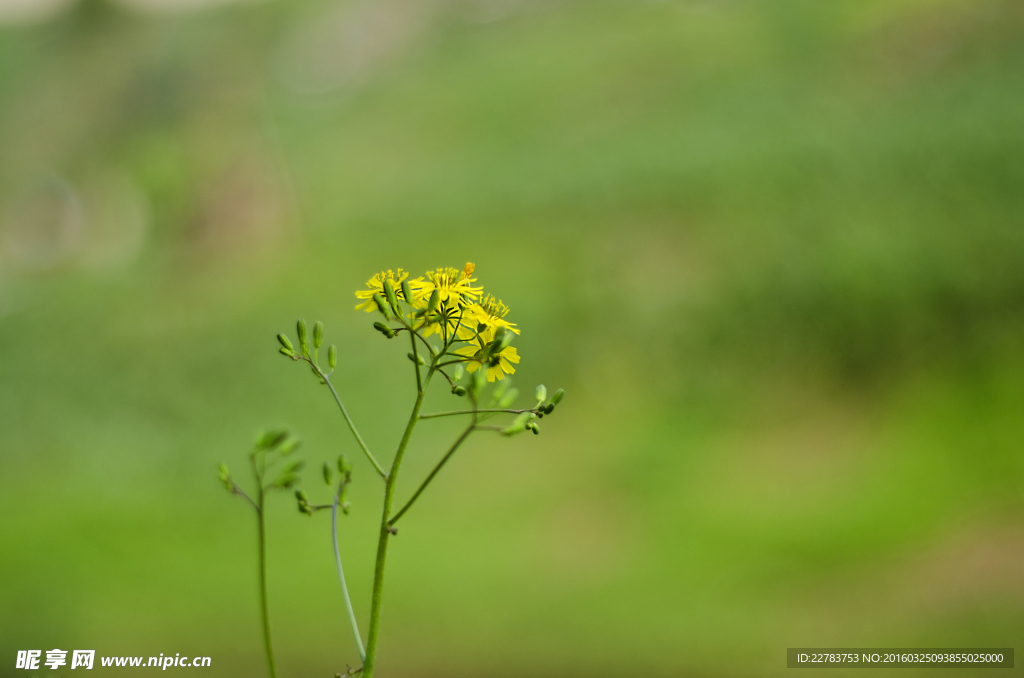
(385, 529)
(440, 464)
(483, 411)
(341, 578)
(263, 584)
(351, 425)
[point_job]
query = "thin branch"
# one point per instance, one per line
(235, 489)
(485, 411)
(440, 464)
(341, 575)
(351, 425)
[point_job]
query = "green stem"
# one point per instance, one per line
(483, 411)
(341, 577)
(385, 529)
(352, 426)
(440, 464)
(263, 585)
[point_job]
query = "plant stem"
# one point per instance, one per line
(385, 529)
(352, 426)
(263, 584)
(423, 486)
(341, 578)
(483, 411)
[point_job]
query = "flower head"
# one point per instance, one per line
(497, 366)
(453, 286)
(375, 285)
(485, 317)
(454, 292)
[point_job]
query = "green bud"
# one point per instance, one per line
(300, 328)
(435, 297)
(509, 397)
(549, 408)
(457, 373)
(285, 342)
(290, 446)
(286, 351)
(533, 427)
(557, 398)
(389, 293)
(519, 424)
(271, 438)
(381, 306)
(478, 383)
(513, 429)
(223, 468)
(328, 476)
(459, 391)
(301, 496)
(415, 358)
(504, 337)
(287, 480)
(343, 464)
(295, 466)
(384, 329)
(332, 356)
(406, 291)
(541, 393)
(304, 508)
(318, 334)
(501, 387)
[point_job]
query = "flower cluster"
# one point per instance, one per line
(445, 303)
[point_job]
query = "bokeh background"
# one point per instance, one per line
(773, 251)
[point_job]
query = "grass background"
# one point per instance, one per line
(772, 250)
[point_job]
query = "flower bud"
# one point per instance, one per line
(457, 373)
(541, 393)
(508, 398)
(384, 329)
(381, 306)
(328, 476)
(389, 293)
(501, 387)
(344, 465)
(290, 446)
(478, 382)
(415, 358)
(287, 480)
(285, 342)
(318, 334)
(406, 292)
(286, 351)
(459, 391)
(301, 496)
(271, 438)
(300, 328)
(557, 398)
(504, 337)
(295, 466)
(332, 356)
(435, 297)
(223, 468)
(549, 408)
(533, 427)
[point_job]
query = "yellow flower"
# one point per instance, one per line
(453, 286)
(376, 286)
(484, 317)
(506, 357)
(454, 290)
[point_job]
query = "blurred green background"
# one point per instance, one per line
(773, 251)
